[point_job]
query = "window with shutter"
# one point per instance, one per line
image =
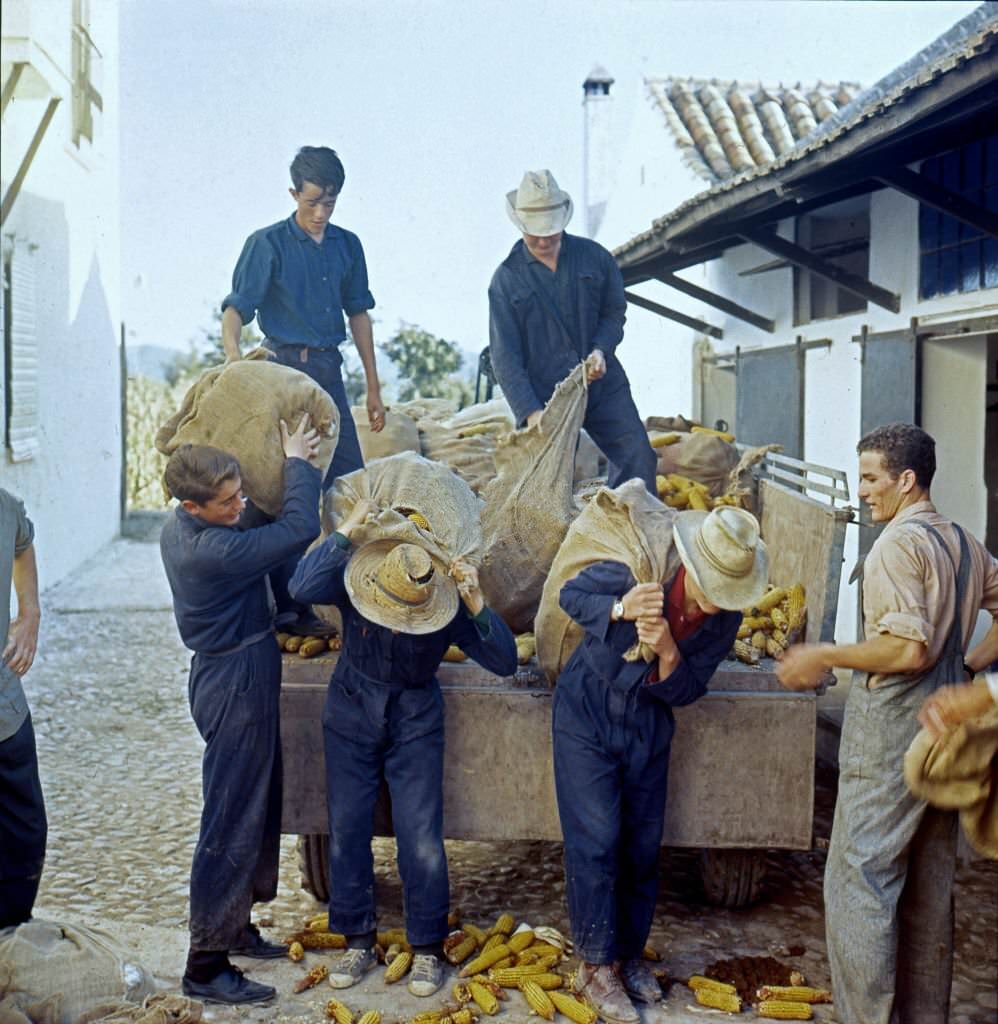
(20, 354)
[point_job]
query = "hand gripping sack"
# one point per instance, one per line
(625, 525)
(529, 504)
(238, 408)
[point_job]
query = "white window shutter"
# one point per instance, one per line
(22, 399)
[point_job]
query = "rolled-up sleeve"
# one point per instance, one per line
(251, 278)
(356, 294)
(25, 531)
(894, 595)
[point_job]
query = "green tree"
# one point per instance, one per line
(207, 351)
(427, 365)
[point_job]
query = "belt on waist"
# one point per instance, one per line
(253, 638)
(387, 684)
(275, 343)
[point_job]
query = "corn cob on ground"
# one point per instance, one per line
(795, 994)
(312, 978)
(537, 999)
(572, 1008)
(317, 940)
(718, 1000)
(778, 1009)
(339, 1012)
(485, 999)
(698, 981)
(371, 1017)
(397, 969)
(296, 952)
(484, 960)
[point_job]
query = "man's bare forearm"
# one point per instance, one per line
(882, 653)
(25, 577)
(363, 337)
(232, 329)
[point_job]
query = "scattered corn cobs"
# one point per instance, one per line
(526, 647)
(454, 653)
(397, 969)
(717, 999)
(778, 1009)
(537, 999)
(296, 952)
(312, 978)
(485, 999)
(371, 1017)
(678, 491)
(339, 1012)
(572, 1008)
(794, 994)
(312, 646)
(772, 625)
(315, 939)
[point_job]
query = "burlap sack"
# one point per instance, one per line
(472, 458)
(56, 973)
(703, 457)
(529, 504)
(418, 409)
(668, 424)
(398, 485)
(400, 434)
(238, 407)
(493, 416)
(625, 525)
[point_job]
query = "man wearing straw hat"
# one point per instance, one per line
(557, 300)
(613, 726)
(402, 608)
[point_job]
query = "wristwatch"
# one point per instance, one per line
(617, 611)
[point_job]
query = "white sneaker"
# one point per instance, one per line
(426, 975)
(351, 967)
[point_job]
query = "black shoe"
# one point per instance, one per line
(309, 624)
(256, 946)
(231, 986)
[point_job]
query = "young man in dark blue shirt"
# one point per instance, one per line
(217, 573)
(555, 301)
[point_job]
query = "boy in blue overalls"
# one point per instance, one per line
(217, 572)
(384, 714)
(612, 729)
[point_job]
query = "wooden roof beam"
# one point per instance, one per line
(916, 185)
(802, 257)
(674, 314)
(717, 301)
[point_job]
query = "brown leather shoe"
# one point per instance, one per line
(639, 982)
(600, 986)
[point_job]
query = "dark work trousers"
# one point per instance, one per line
(371, 728)
(235, 704)
(611, 769)
(323, 365)
(613, 422)
(23, 827)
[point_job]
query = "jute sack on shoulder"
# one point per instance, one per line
(238, 408)
(625, 525)
(55, 973)
(400, 434)
(529, 504)
(705, 458)
(401, 486)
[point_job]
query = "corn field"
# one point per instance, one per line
(150, 404)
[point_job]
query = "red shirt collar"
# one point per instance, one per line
(681, 624)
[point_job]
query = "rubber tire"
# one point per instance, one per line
(732, 878)
(313, 862)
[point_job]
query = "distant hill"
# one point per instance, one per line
(150, 360)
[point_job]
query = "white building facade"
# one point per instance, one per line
(60, 376)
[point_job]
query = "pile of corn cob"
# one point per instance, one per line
(308, 646)
(678, 491)
(775, 1002)
(772, 625)
(658, 439)
(526, 647)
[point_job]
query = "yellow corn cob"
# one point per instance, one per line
(506, 961)
(538, 1000)
(651, 953)
(543, 948)
(293, 643)
(296, 952)
(794, 994)
(773, 649)
(679, 482)
(759, 640)
(503, 926)
(393, 936)
(755, 622)
(484, 998)
(780, 1009)
(320, 922)
(496, 989)
(663, 440)
(454, 653)
(510, 977)
(398, 967)
(463, 1016)
(526, 647)
(572, 1008)
(662, 485)
(519, 941)
(745, 652)
(718, 1000)
(779, 617)
(781, 638)
(495, 939)
(282, 639)
(722, 434)
(548, 980)
(337, 1011)
(796, 608)
(698, 501)
(335, 643)
(318, 940)
(427, 1017)
(485, 960)
(744, 632)
(391, 952)
(454, 918)
(460, 952)
(371, 1017)
(679, 500)
(770, 599)
(312, 978)
(548, 961)
(475, 932)
(698, 981)
(311, 647)
(461, 993)
(528, 956)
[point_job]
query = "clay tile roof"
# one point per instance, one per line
(726, 128)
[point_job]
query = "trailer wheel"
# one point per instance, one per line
(732, 878)
(313, 862)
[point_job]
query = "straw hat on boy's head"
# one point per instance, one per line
(724, 554)
(538, 207)
(401, 586)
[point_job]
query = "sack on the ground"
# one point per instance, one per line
(238, 408)
(55, 973)
(625, 524)
(427, 408)
(400, 434)
(706, 458)
(529, 504)
(162, 1008)
(408, 491)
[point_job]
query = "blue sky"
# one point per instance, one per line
(436, 109)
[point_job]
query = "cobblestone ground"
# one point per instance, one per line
(120, 765)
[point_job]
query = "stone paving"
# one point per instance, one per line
(120, 765)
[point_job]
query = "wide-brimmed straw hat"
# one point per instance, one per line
(538, 206)
(401, 586)
(725, 555)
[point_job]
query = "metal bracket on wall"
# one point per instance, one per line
(29, 156)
